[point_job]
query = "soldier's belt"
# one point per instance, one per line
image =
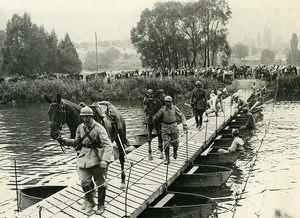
(91, 146)
(169, 122)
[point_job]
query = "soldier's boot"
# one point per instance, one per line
(175, 148)
(101, 200)
(84, 204)
(89, 198)
(160, 150)
(167, 154)
(150, 157)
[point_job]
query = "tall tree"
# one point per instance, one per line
(174, 35)
(16, 45)
(36, 52)
(240, 51)
(113, 53)
(90, 61)
(293, 56)
(24, 47)
(216, 14)
(52, 62)
(68, 57)
(190, 25)
(2, 40)
(156, 36)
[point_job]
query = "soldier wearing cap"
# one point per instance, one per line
(198, 103)
(236, 145)
(93, 159)
(170, 132)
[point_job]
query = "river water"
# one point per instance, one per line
(269, 173)
(270, 180)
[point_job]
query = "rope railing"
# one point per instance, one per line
(71, 201)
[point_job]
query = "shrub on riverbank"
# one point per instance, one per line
(289, 89)
(97, 90)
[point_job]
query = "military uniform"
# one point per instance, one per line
(95, 148)
(250, 122)
(170, 130)
(199, 104)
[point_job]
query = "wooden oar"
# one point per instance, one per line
(256, 103)
(260, 106)
(186, 104)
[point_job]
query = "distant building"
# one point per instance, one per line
(267, 38)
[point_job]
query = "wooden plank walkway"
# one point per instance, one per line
(148, 180)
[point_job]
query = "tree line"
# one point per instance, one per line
(241, 51)
(28, 50)
(175, 34)
(267, 56)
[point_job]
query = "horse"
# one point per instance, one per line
(62, 111)
(152, 107)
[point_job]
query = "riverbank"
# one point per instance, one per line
(289, 88)
(99, 89)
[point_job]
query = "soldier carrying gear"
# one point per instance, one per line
(198, 103)
(110, 111)
(170, 132)
(92, 162)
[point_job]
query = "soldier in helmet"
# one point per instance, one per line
(198, 103)
(236, 145)
(92, 162)
(170, 132)
(148, 100)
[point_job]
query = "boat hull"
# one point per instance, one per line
(216, 158)
(32, 195)
(236, 124)
(182, 205)
(229, 132)
(204, 176)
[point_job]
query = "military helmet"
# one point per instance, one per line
(168, 98)
(86, 111)
(235, 131)
(245, 109)
(160, 91)
(198, 83)
(235, 96)
(150, 91)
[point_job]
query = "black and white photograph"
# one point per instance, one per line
(149, 108)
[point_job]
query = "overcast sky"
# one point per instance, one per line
(113, 19)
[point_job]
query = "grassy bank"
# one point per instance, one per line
(97, 90)
(288, 89)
